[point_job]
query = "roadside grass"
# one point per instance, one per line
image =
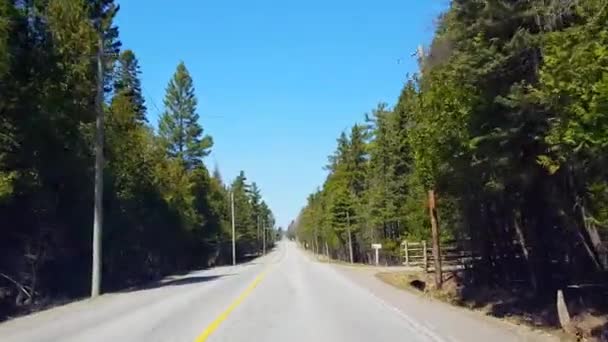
(416, 283)
(324, 259)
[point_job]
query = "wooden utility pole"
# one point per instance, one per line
(425, 256)
(435, 236)
(98, 200)
(233, 229)
(257, 234)
(350, 240)
(432, 204)
(407, 253)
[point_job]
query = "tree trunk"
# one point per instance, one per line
(525, 251)
(595, 243)
(435, 234)
(582, 229)
(350, 240)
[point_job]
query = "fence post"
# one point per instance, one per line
(407, 253)
(425, 257)
(562, 311)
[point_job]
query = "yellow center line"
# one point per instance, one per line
(224, 315)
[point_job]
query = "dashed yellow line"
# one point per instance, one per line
(224, 315)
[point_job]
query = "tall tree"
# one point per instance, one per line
(244, 220)
(178, 127)
(162, 214)
(128, 84)
(256, 206)
(505, 122)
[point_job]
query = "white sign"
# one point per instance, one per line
(377, 246)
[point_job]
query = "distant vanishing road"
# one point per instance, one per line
(284, 296)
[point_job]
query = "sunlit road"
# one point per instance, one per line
(284, 296)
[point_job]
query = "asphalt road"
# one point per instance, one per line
(284, 296)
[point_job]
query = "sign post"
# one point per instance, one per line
(377, 247)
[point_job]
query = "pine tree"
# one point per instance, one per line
(159, 216)
(102, 14)
(255, 197)
(128, 84)
(357, 158)
(179, 128)
(7, 11)
(245, 223)
(381, 172)
(7, 127)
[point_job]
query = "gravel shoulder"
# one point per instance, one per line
(456, 323)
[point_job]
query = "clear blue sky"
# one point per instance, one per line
(277, 81)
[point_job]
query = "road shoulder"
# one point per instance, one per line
(456, 323)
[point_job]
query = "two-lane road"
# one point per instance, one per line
(284, 296)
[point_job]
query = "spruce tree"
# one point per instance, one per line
(179, 128)
(245, 224)
(128, 84)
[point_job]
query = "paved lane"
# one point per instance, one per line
(301, 300)
(179, 310)
(284, 296)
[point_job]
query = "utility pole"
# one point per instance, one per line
(98, 200)
(435, 236)
(350, 241)
(257, 234)
(435, 233)
(233, 230)
(264, 238)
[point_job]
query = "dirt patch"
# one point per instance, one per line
(402, 280)
(587, 326)
(519, 307)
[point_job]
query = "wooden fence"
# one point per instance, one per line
(415, 254)
(420, 254)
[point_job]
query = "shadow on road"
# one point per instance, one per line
(187, 280)
(184, 278)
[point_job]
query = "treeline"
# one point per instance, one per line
(163, 211)
(506, 123)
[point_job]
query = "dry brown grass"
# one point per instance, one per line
(418, 282)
